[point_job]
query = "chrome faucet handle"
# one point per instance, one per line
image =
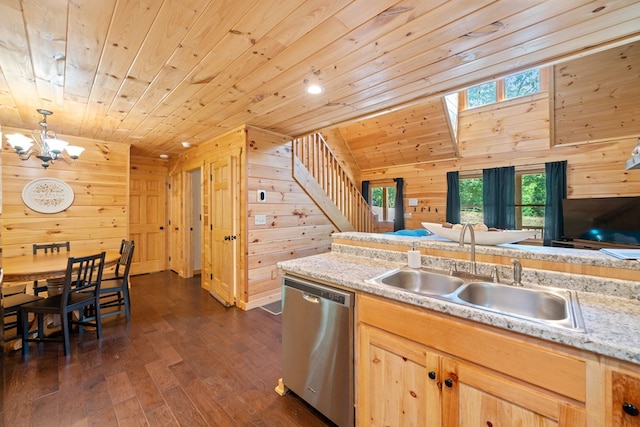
(495, 277)
(453, 268)
(517, 272)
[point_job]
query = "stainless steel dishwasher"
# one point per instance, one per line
(317, 347)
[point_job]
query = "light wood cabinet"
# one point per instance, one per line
(394, 387)
(625, 398)
(423, 369)
(477, 396)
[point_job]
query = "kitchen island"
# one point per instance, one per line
(594, 365)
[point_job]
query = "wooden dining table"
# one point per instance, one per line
(47, 266)
(51, 267)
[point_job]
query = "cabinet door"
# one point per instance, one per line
(626, 400)
(393, 384)
(478, 397)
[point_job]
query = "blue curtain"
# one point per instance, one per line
(398, 223)
(556, 187)
(498, 194)
(453, 198)
(365, 192)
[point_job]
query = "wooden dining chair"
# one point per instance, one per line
(114, 290)
(47, 248)
(81, 289)
(11, 319)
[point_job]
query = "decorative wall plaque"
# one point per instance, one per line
(47, 195)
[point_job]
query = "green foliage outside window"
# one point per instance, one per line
(513, 86)
(533, 193)
(377, 196)
(482, 95)
(471, 200)
(533, 196)
(382, 211)
(522, 84)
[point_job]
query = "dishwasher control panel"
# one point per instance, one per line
(331, 296)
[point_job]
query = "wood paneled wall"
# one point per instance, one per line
(598, 97)
(342, 151)
(514, 133)
(295, 226)
(98, 217)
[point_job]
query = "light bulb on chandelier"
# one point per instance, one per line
(48, 148)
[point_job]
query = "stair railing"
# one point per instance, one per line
(313, 152)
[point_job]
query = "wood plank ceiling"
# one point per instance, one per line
(154, 73)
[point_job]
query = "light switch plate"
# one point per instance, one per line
(261, 219)
(413, 202)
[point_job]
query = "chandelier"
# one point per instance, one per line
(48, 148)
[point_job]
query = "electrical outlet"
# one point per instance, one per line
(260, 219)
(407, 214)
(413, 202)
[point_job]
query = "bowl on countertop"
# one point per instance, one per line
(489, 238)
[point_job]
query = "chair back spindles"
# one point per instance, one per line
(84, 274)
(80, 293)
(51, 247)
(47, 248)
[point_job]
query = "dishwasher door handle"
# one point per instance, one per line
(311, 298)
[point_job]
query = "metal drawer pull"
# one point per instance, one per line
(630, 409)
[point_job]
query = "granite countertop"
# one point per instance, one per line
(546, 253)
(612, 322)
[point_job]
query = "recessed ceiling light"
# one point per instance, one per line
(186, 144)
(314, 89)
(164, 156)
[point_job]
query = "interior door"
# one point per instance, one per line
(223, 215)
(147, 219)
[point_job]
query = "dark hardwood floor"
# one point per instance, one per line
(184, 359)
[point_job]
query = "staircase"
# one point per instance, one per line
(318, 171)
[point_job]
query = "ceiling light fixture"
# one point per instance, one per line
(186, 144)
(314, 89)
(48, 148)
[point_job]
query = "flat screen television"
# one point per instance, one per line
(608, 219)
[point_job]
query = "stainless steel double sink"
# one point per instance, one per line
(549, 306)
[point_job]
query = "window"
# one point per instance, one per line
(471, 200)
(482, 95)
(513, 86)
(522, 84)
(383, 201)
(529, 199)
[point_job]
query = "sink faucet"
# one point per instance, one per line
(472, 267)
(517, 272)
